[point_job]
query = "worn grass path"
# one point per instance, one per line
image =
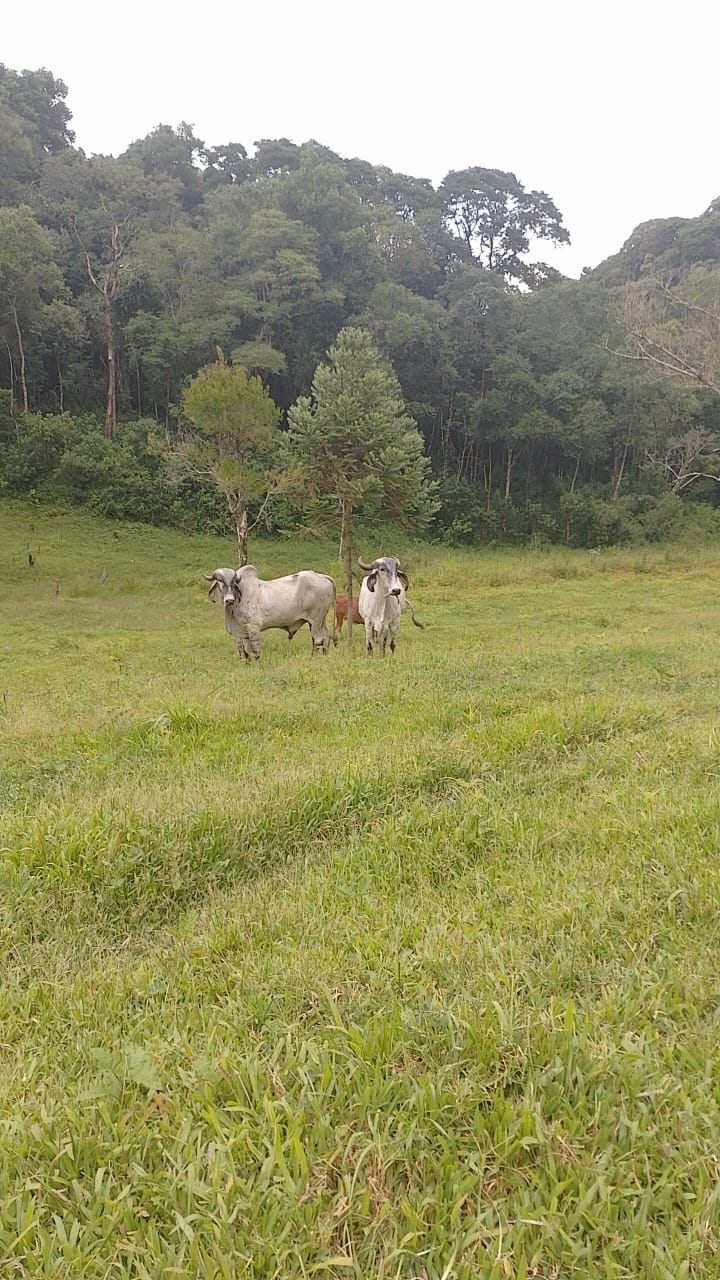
(346, 968)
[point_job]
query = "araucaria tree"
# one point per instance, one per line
(352, 441)
(232, 441)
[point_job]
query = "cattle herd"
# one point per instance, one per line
(253, 605)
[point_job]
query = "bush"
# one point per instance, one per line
(676, 519)
(589, 521)
(463, 517)
(63, 458)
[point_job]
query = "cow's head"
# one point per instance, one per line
(225, 582)
(385, 573)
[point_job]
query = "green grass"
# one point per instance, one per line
(345, 968)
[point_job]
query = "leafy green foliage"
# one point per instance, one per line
(28, 280)
(140, 266)
(233, 441)
(495, 216)
(352, 444)
(34, 123)
(352, 439)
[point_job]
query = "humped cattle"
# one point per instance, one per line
(253, 604)
(381, 601)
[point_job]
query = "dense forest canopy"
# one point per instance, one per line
(548, 407)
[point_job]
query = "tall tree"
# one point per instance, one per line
(231, 441)
(319, 195)
(225, 165)
(38, 98)
(497, 218)
(175, 154)
(101, 204)
(676, 331)
(27, 270)
(34, 124)
(352, 441)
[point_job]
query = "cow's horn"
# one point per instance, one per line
(209, 577)
(363, 565)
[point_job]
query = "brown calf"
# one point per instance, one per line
(341, 612)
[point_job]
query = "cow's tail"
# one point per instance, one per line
(334, 636)
(416, 622)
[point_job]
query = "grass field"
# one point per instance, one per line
(345, 968)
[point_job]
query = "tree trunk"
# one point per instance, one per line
(107, 289)
(508, 472)
(620, 470)
(111, 398)
(347, 562)
(11, 366)
(21, 350)
(60, 383)
(575, 474)
(240, 521)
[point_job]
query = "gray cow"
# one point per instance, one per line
(381, 601)
(253, 604)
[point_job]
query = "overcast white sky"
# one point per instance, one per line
(612, 107)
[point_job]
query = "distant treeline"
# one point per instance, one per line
(121, 277)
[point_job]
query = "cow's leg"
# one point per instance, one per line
(324, 637)
(368, 638)
(315, 636)
(253, 643)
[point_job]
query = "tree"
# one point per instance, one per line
(233, 443)
(667, 248)
(39, 100)
(352, 441)
(688, 457)
(100, 205)
(177, 318)
(34, 123)
(278, 291)
(274, 156)
(676, 331)
(511, 408)
(319, 195)
(496, 217)
(226, 165)
(175, 154)
(408, 329)
(27, 270)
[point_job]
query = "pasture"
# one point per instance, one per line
(350, 968)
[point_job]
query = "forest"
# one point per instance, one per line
(581, 412)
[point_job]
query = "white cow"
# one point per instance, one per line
(253, 604)
(381, 601)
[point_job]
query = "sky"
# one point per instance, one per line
(611, 108)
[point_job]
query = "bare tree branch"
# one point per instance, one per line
(671, 332)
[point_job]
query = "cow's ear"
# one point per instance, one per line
(404, 579)
(372, 579)
(213, 589)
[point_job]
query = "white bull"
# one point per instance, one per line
(381, 601)
(253, 604)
